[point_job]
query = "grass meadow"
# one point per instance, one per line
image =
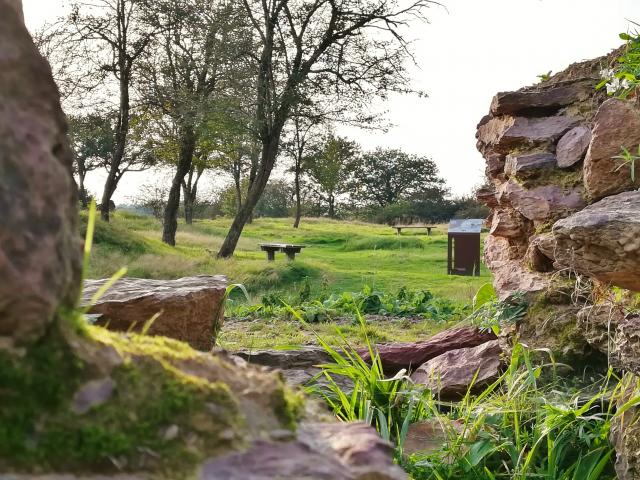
(342, 256)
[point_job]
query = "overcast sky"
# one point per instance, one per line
(467, 53)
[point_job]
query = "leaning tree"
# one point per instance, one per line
(308, 48)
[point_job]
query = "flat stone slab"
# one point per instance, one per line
(190, 309)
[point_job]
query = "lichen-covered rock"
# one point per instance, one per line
(168, 411)
(603, 240)
(398, 356)
(626, 344)
(451, 374)
(40, 247)
(190, 309)
(573, 146)
(536, 259)
(616, 125)
(521, 163)
(509, 274)
(598, 324)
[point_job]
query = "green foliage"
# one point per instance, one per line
(386, 176)
(623, 79)
(544, 77)
(628, 159)
(328, 170)
(520, 427)
(384, 403)
(368, 301)
(523, 428)
(491, 314)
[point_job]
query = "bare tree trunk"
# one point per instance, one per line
(238, 186)
(296, 223)
(122, 131)
(82, 192)
(270, 152)
(332, 206)
(170, 222)
(190, 193)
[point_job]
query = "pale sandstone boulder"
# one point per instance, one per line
(616, 125)
(603, 240)
(190, 309)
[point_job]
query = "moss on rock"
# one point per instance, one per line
(170, 406)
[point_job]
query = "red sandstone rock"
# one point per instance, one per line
(451, 374)
(40, 248)
(541, 204)
(573, 146)
(541, 99)
(396, 356)
(616, 125)
(603, 240)
(191, 309)
(509, 273)
(487, 196)
(507, 223)
(502, 134)
(342, 451)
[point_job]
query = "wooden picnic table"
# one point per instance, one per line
(286, 248)
(400, 227)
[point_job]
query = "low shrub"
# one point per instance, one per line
(324, 308)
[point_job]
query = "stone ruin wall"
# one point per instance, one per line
(565, 221)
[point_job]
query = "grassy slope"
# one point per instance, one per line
(342, 256)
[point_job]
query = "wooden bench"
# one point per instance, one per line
(400, 227)
(288, 249)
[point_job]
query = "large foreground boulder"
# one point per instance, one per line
(396, 356)
(603, 240)
(190, 309)
(452, 374)
(40, 258)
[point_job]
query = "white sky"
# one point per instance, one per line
(467, 53)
